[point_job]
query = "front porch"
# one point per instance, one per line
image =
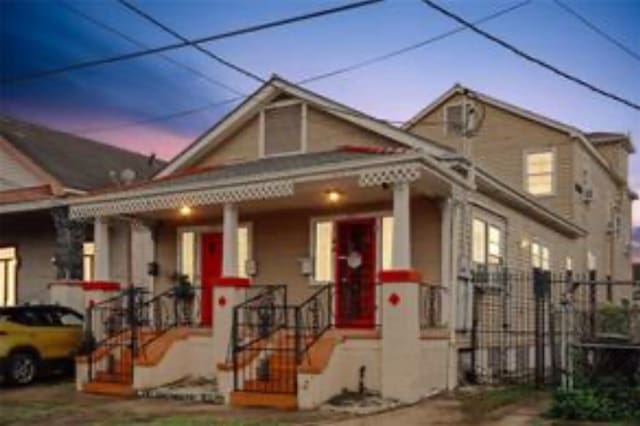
(302, 285)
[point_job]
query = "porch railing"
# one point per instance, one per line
(176, 307)
(270, 338)
(111, 336)
(430, 307)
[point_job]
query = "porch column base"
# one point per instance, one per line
(401, 349)
(228, 293)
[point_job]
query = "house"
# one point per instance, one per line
(40, 170)
(329, 250)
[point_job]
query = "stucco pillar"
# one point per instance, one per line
(142, 254)
(229, 290)
(102, 249)
(401, 351)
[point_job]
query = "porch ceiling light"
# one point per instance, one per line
(185, 211)
(333, 195)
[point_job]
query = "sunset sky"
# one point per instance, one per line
(105, 102)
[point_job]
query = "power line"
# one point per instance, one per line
(531, 58)
(180, 37)
(411, 47)
(325, 75)
(220, 36)
(598, 30)
(137, 43)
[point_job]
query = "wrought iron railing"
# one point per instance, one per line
(270, 338)
(430, 308)
(176, 307)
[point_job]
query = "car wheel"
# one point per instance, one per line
(23, 368)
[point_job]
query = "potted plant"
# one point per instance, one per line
(183, 293)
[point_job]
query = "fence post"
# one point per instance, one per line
(474, 327)
(234, 347)
(592, 303)
(566, 363)
(538, 294)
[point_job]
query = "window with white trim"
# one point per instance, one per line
(458, 119)
(387, 242)
(539, 172)
(283, 129)
(8, 276)
(540, 256)
(88, 261)
(323, 252)
(487, 243)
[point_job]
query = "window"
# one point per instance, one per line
(69, 318)
(387, 242)
(188, 255)
(243, 251)
(569, 264)
(591, 261)
(487, 243)
(283, 129)
(323, 259)
(540, 256)
(539, 173)
(8, 275)
(88, 261)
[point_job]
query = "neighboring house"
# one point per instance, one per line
(40, 170)
(294, 189)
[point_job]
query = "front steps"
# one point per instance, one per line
(109, 389)
(288, 402)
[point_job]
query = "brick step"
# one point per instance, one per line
(273, 385)
(108, 388)
(114, 377)
(266, 400)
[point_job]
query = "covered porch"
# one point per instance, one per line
(363, 238)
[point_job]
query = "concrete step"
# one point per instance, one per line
(273, 385)
(287, 402)
(108, 388)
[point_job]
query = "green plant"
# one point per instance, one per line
(597, 404)
(613, 319)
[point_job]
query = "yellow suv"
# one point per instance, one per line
(37, 339)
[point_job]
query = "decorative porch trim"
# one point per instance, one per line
(233, 282)
(392, 276)
(393, 174)
(200, 197)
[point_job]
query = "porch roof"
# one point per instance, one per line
(259, 179)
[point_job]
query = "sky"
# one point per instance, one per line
(106, 102)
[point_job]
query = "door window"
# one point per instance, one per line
(8, 276)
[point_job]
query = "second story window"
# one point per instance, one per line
(283, 129)
(539, 173)
(458, 119)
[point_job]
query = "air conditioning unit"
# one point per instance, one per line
(587, 195)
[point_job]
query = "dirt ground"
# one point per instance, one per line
(57, 404)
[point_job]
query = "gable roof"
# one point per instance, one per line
(72, 161)
(514, 109)
(272, 89)
(597, 138)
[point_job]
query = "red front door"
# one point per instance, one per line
(355, 273)
(211, 260)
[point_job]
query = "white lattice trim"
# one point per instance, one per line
(173, 201)
(393, 174)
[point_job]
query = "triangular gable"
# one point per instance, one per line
(274, 89)
(513, 109)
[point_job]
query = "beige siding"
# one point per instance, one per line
(500, 145)
(281, 238)
(617, 156)
(14, 175)
(34, 236)
(324, 133)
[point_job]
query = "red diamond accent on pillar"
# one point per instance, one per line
(394, 299)
(222, 301)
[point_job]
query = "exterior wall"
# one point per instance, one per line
(499, 146)
(15, 175)
(279, 243)
(617, 157)
(34, 236)
(324, 133)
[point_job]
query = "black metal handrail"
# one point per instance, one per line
(176, 307)
(313, 319)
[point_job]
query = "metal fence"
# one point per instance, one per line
(537, 327)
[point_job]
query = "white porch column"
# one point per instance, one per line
(142, 254)
(401, 349)
(401, 253)
(102, 247)
(230, 241)
(229, 290)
